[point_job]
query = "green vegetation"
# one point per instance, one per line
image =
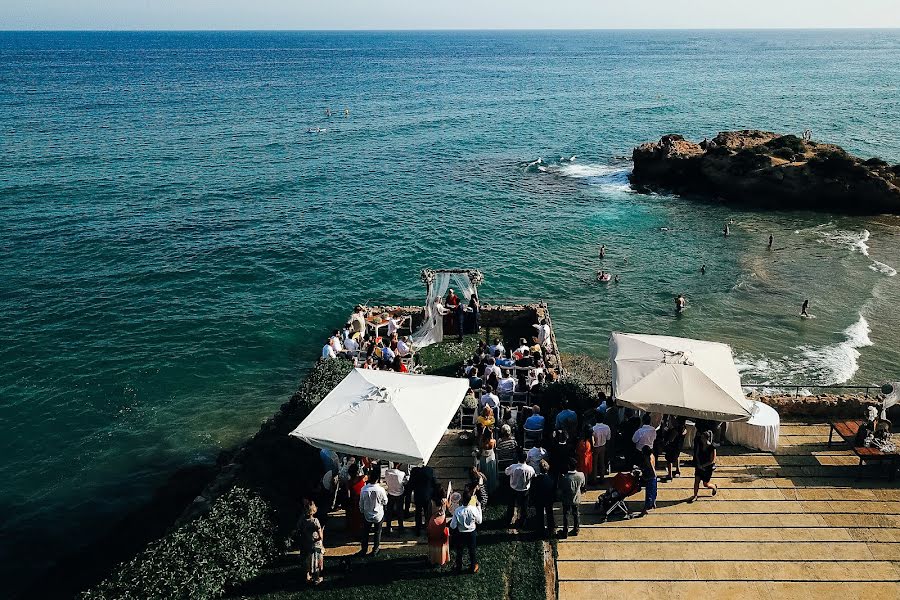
(227, 545)
(511, 567)
(447, 357)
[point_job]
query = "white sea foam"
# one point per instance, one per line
(832, 364)
(854, 240)
(880, 267)
(594, 174)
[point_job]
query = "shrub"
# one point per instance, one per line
(788, 142)
(226, 546)
(579, 396)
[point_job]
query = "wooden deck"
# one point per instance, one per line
(784, 525)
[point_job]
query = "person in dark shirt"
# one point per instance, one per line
(422, 482)
(543, 495)
(523, 364)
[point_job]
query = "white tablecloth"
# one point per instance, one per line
(760, 432)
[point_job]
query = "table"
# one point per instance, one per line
(847, 429)
(760, 432)
(377, 326)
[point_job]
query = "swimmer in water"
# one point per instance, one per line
(680, 303)
(703, 269)
(602, 252)
(804, 310)
(327, 112)
(616, 279)
(727, 230)
(771, 241)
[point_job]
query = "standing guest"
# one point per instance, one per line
(535, 455)
(393, 325)
(543, 495)
(507, 448)
(465, 519)
(355, 484)
(312, 547)
(675, 434)
(704, 463)
(438, 531)
(475, 309)
(571, 485)
(601, 433)
(543, 332)
(566, 418)
(561, 450)
(372, 500)
(648, 472)
(645, 434)
(459, 314)
(488, 460)
(584, 453)
(396, 478)
(358, 320)
(520, 476)
(423, 484)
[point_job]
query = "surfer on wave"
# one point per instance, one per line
(804, 310)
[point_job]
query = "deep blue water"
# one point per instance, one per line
(173, 244)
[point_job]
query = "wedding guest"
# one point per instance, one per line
(704, 463)
(571, 486)
(648, 472)
(438, 531)
(475, 313)
(543, 495)
(584, 453)
(355, 483)
(372, 500)
(601, 434)
(520, 476)
(312, 549)
(507, 448)
(488, 460)
(423, 484)
(395, 478)
(465, 520)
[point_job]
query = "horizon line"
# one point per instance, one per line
(433, 29)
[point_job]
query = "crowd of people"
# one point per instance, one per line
(366, 348)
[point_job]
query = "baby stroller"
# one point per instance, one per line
(624, 485)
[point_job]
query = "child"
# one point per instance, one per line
(311, 543)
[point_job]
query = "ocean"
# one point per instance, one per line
(174, 244)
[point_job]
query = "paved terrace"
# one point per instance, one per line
(789, 525)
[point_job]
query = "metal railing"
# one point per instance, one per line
(791, 389)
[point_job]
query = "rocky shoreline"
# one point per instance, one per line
(765, 169)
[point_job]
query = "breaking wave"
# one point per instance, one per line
(880, 267)
(829, 365)
(855, 241)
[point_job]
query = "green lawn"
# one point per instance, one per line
(447, 357)
(511, 567)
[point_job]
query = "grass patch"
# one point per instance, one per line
(511, 567)
(447, 357)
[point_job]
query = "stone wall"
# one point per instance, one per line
(824, 406)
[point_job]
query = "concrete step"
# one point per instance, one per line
(732, 590)
(703, 549)
(732, 534)
(694, 520)
(725, 570)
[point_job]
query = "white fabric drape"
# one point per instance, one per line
(431, 331)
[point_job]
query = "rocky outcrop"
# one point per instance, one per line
(765, 169)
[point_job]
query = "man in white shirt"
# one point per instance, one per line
(534, 457)
(507, 385)
(396, 479)
(601, 434)
(543, 332)
(350, 345)
(393, 325)
(646, 435)
(489, 398)
(520, 476)
(465, 519)
(403, 347)
(523, 346)
(328, 351)
(335, 342)
(372, 500)
(491, 367)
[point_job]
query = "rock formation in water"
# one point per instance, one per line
(761, 168)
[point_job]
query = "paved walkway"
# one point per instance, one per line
(786, 525)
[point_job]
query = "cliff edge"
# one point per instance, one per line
(761, 168)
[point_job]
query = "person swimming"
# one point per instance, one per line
(703, 269)
(617, 279)
(602, 251)
(603, 276)
(804, 310)
(680, 303)
(727, 230)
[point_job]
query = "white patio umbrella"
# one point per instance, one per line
(384, 415)
(677, 376)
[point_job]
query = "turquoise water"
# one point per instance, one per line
(174, 245)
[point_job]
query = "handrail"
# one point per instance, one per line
(794, 387)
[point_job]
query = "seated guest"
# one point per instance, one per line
(503, 362)
(486, 419)
(387, 355)
(536, 421)
(488, 398)
(335, 341)
(538, 382)
(535, 456)
(492, 368)
(398, 365)
(506, 449)
(470, 366)
(524, 363)
(351, 346)
(475, 382)
(507, 385)
(566, 418)
(495, 347)
(403, 346)
(328, 350)
(523, 346)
